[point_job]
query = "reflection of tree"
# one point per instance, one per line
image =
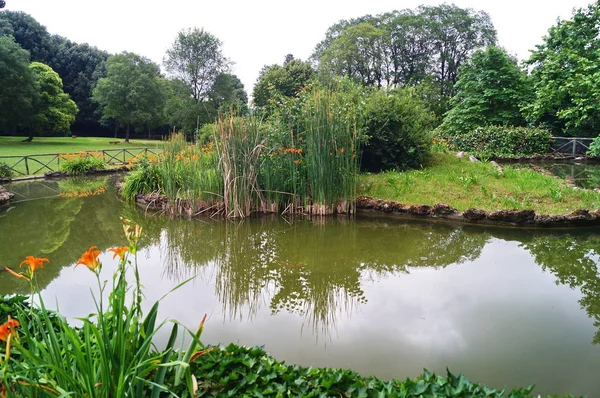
(59, 228)
(574, 260)
(313, 269)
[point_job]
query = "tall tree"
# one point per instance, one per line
(566, 75)
(287, 80)
(18, 90)
(195, 58)
(492, 90)
(128, 92)
(228, 91)
(54, 112)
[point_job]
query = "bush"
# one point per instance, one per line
(504, 141)
(145, 178)
(398, 127)
(593, 151)
(5, 170)
(81, 163)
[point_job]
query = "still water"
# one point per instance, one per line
(386, 297)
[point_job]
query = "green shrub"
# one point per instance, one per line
(593, 151)
(145, 178)
(504, 141)
(81, 163)
(398, 127)
(5, 170)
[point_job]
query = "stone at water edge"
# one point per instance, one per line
(460, 155)
(473, 159)
(5, 196)
(497, 167)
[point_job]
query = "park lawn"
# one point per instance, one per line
(463, 185)
(13, 146)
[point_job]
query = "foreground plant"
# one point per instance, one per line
(111, 355)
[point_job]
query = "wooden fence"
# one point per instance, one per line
(571, 145)
(46, 162)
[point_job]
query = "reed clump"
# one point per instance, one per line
(304, 159)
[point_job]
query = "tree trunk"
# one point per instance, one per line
(127, 133)
(116, 129)
(30, 138)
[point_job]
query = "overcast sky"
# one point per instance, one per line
(255, 33)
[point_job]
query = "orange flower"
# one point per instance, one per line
(119, 251)
(34, 263)
(8, 328)
(90, 259)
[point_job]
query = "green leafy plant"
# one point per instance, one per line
(111, 355)
(594, 147)
(5, 170)
(504, 141)
(81, 163)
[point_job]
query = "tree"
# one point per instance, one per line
(492, 89)
(128, 92)
(228, 91)
(196, 59)
(566, 75)
(79, 65)
(18, 89)
(287, 80)
(53, 111)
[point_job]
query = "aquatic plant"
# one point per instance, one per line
(81, 162)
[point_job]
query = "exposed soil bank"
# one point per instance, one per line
(5, 196)
(528, 218)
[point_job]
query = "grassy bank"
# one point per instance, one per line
(463, 185)
(13, 146)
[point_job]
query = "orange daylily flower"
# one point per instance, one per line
(90, 259)
(34, 263)
(8, 328)
(119, 251)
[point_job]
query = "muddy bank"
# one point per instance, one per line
(527, 218)
(5, 196)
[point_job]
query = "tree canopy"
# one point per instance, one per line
(286, 80)
(18, 89)
(195, 58)
(53, 111)
(492, 89)
(406, 47)
(566, 75)
(130, 91)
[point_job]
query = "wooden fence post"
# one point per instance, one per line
(26, 166)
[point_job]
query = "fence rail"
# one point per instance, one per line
(570, 145)
(25, 165)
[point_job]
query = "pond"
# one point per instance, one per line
(583, 174)
(386, 297)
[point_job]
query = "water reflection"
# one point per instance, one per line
(433, 294)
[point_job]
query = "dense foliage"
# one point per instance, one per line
(132, 91)
(54, 111)
(492, 89)
(594, 147)
(18, 89)
(406, 47)
(397, 125)
(504, 141)
(285, 81)
(566, 75)
(81, 163)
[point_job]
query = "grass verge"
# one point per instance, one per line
(464, 184)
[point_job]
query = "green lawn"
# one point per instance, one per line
(463, 184)
(13, 146)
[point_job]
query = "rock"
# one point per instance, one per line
(460, 155)
(419, 210)
(5, 196)
(513, 216)
(473, 159)
(474, 214)
(52, 174)
(443, 209)
(497, 167)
